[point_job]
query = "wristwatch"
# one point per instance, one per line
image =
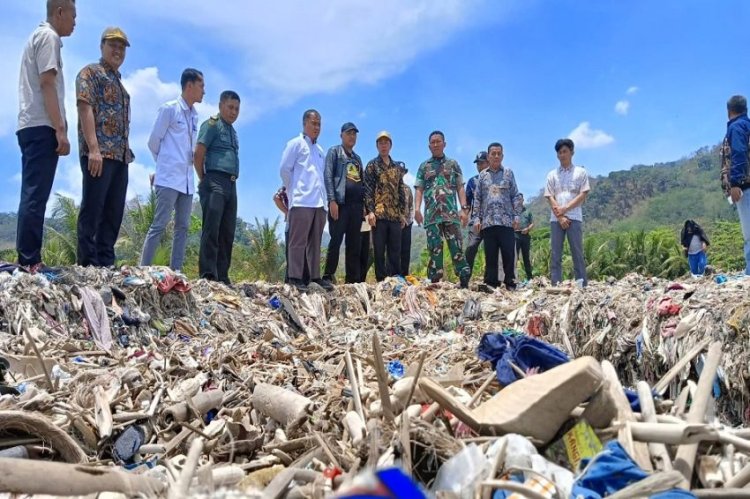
(465, 207)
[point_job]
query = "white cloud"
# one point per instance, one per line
(291, 51)
(69, 178)
(622, 107)
(631, 90)
(586, 137)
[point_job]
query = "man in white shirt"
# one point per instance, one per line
(42, 127)
(303, 174)
(172, 143)
(566, 190)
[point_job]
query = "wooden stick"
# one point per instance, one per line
(729, 493)
(648, 413)
(661, 386)
(740, 479)
(385, 396)
(26, 476)
(355, 386)
(405, 436)
(638, 450)
(658, 482)
(182, 486)
(685, 459)
(416, 380)
(478, 393)
(39, 356)
(326, 449)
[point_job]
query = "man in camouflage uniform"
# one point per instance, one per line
(386, 207)
(439, 179)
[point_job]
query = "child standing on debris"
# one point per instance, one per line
(695, 242)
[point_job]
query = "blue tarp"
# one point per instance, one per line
(612, 470)
(524, 351)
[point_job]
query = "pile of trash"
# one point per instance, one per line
(140, 382)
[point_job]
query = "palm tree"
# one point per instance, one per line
(61, 240)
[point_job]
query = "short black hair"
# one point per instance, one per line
(436, 132)
(190, 75)
(564, 143)
(309, 114)
(495, 144)
(737, 104)
(53, 5)
(229, 95)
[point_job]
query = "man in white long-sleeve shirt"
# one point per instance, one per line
(172, 143)
(303, 174)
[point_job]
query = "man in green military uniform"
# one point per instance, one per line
(523, 239)
(439, 179)
(217, 165)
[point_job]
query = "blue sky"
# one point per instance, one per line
(632, 82)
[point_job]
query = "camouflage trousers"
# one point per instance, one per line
(451, 232)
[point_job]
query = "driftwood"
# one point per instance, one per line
(22, 476)
(38, 426)
(685, 459)
(638, 450)
(535, 406)
(281, 405)
(648, 413)
(661, 386)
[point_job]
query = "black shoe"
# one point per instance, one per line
(323, 283)
(299, 284)
(464, 281)
(330, 278)
(437, 277)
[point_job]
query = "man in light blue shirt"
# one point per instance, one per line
(172, 143)
(303, 174)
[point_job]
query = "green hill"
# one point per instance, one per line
(651, 196)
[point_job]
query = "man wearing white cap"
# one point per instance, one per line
(385, 204)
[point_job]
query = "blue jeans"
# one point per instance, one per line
(697, 262)
(168, 200)
(743, 210)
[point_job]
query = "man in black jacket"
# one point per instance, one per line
(343, 181)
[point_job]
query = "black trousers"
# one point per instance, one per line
(218, 196)
(405, 250)
(38, 167)
(499, 240)
(366, 256)
(102, 209)
(523, 248)
(472, 247)
(349, 224)
(387, 239)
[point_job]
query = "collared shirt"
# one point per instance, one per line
(497, 201)
(41, 54)
(440, 178)
(565, 184)
(470, 186)
(303, 173)
(101, 87)
(222, 146)
(384, 192)
(409, 198)
(172, 143)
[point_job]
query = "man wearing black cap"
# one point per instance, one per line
(343, 181)
(475, 238)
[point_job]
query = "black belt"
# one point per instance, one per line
(231, 177)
